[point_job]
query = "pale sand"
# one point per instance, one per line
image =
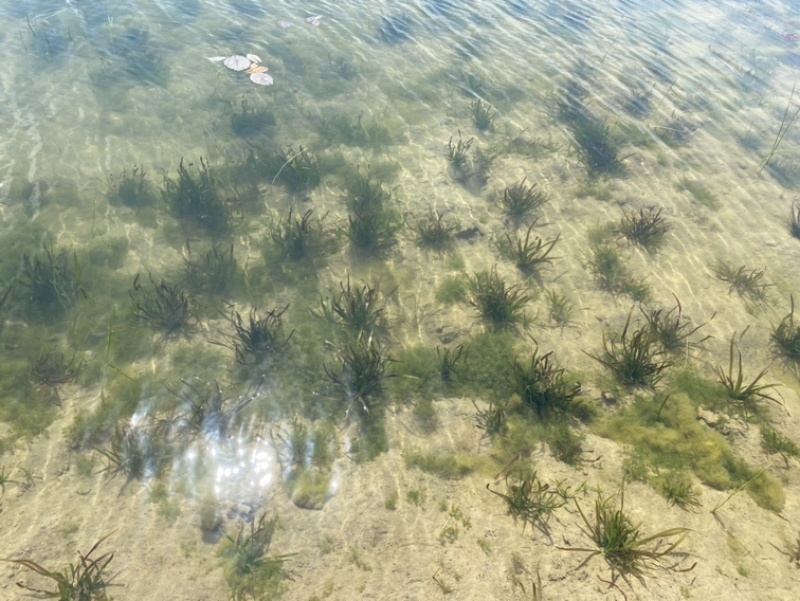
(356, 548)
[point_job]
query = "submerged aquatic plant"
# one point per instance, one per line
(198, 198)
(594, 144)
(52, 278)
(397, 28)
(529, 255)
(299, 170)
(500, 305)
(677, 132)
(565, 443)
(635, 359)
(748, 283)
(131, 188)
(482, 115)
(492, 420)
(249, 121)
(82, 581)
(673, 330)
(794, 221)
(372, 230)
(531, 501)
(620, 541)
(342, 128)
(434, 232)
(519, 201)
(543, 387)
(638, 102)
(450, 360)
(134, 453)
(361, 372)
(677, 489)
(51, 370)
(559, 308)
(646, 228)
(744, 394)
(251, 573)
(782, 130)
(786, 336)
(215, 273)
(343, 66)
(365, 191)
(206, 411)
(359, 310)
(774, 442)
(596, 148)
(612, 275)
(259, 337)
(302, 237)
(458, 153)
(163, 306)
(136, 54)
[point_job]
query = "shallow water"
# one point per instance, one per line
(610, 108)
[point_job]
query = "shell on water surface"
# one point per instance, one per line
(253, 57)
(237, 63)
(261, 79)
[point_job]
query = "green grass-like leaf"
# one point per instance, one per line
(744, 394)
(81, 581)
(621, 543)
(635, 359)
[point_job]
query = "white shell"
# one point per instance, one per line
(261, 79)
(237, 63)
(216, 59)
(254, 57)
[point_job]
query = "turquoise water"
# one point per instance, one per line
(148, 195)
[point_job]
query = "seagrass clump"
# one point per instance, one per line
(500, 305)
(672, 329)
(786, 335)
(356, 309)
(258, 337)
(747, 283)
(647, 228)
(85, 580)
(52, 280)
(520, 201)
(302, 238)
(744, 394)
(435, 232)
(543, 387)
(197, 198)
(620, 541)
(162, 306)
(360, 373)
(531, 253)
(635, 357)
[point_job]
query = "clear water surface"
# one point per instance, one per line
(187, 378)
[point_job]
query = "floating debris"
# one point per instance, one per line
(250, 64)
(237, 63)
(261, 78)
(283, 24)
(315, 21)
